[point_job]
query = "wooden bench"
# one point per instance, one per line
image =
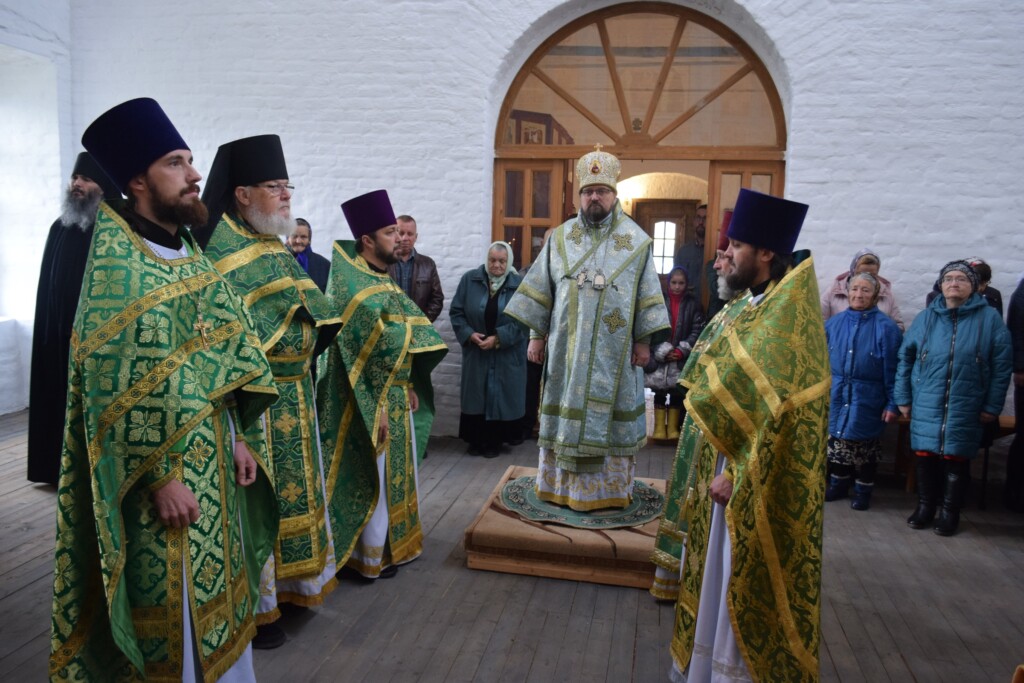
(904, 456)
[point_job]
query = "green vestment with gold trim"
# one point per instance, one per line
(668, 545)
(161, 351)
(593, 292)
(759, 394)
(286, 307)
(386, 345)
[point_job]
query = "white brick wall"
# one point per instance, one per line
(904, 118)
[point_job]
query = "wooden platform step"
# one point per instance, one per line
(499, 540)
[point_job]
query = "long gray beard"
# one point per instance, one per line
(270, 223)
(79, 213)
(725, 292)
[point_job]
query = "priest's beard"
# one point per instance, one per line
(269, 223)
(176, 211)
(80, 212)
(742, 277)
(595, 213)
(725, 292)
(383, 256)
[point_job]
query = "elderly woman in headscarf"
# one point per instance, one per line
(493, 354)
(953, 372)
(835, 299)
(992, 295)
(863, 347)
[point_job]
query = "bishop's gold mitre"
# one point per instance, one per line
(598, 168)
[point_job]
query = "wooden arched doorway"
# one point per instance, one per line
(666, 89)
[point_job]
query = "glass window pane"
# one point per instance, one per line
(536, 241)
(639, 43)
(514, 194)
(577, 68)
(538, 108)
(761, 182)
(542, 194)
(514, 235)
(739, 116)
(731, 183)
(578, 65)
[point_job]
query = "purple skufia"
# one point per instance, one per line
(368, 213)
(766, 221)
(126, 139)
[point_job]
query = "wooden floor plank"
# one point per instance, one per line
(897, 604)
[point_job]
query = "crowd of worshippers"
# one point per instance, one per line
(880, 371)
(245, 418)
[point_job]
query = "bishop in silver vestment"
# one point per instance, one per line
(592, 301)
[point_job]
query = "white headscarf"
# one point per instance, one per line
(498, 280)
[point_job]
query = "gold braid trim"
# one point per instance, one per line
(308, 600)
(83, 628)
(541, 298)
(364, 355)
(271, 287)
(119, 322)
(242, 257)
(135, 393)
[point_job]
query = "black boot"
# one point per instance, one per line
(269, 636)
(957, 477)
(840, 476)
(1013, 491)
(863, 486)
(838, 487)
(861, 499)
(927, 474)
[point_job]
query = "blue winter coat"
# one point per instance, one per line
(954, 365)
(493, 382)
(863, 349)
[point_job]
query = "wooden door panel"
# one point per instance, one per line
(528, 199)
(724, 183)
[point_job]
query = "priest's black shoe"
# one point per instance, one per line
(347, 573)
(389, 572)
(268, 637)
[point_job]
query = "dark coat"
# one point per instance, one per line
(426, 285)
(493, 382)
(319, 269)
(689, 324)
(60, 283)
(863, 350)
(954, 364)
(1015, 321)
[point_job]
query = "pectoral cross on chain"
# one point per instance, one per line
(202, 327)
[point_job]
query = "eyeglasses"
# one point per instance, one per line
(596, 192)
(958, 279)
(277, 189)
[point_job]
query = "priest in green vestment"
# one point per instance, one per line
(163, 522)
(371, 379)
(249, 198)
(750, 591)
(671, 537)
(592, 301)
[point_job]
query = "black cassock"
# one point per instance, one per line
(60, 283)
